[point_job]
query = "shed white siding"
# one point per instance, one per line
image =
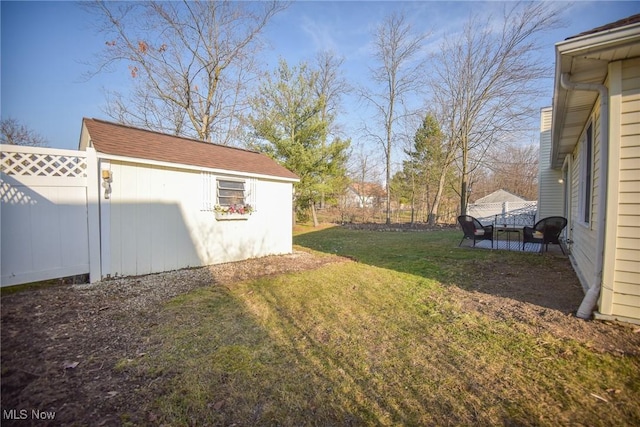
(155, 221)
(550, 196)
(621, 278)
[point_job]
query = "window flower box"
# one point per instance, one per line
(232, 212)
(221, 216)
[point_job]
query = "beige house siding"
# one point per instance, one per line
(550, 197)
(621, 277)
(584, 235)
(597, 87)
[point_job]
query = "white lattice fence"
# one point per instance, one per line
(29, 161)
(44, 218)
(513, 213)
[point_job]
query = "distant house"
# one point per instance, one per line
(550, 180)
(590, 154)
(364, 195)
(500, 196)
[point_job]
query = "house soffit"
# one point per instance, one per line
(586, 59)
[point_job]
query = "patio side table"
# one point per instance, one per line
(508, 231)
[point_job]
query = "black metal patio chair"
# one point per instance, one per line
(474, 230)
(546, 231)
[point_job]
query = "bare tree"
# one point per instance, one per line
(330, 85)
(485, 77)
(190, 62)
(399, 74)
(515, 168)
(16, 133)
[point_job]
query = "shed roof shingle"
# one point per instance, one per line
(121, 140)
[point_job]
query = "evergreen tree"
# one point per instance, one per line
(288, 125)
(427, 169)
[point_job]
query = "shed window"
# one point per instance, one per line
(230, 192)
(225, 191)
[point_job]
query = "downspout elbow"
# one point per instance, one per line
(566, 83)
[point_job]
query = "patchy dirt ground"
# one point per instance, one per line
(60, 344)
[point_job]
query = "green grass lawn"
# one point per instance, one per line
(377, 342)
(433, 255)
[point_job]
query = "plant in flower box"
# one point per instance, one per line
(239, 209)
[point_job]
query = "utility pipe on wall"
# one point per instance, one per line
(591, 298)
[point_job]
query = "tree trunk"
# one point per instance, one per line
(313, 214)
(413, 204)
(442, 181)
(388, 221)
(465, 176)
(293, 215)
(433, 213)
(463, 197)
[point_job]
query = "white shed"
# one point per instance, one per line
(162, 199)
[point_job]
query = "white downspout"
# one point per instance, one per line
(591, 298)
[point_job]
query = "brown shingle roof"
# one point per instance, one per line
(617, 24)
(121, 140)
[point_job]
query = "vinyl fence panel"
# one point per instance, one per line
(43, 214)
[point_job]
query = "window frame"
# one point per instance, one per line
(234, 200)
(586, 175)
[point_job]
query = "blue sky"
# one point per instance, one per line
(46, 48)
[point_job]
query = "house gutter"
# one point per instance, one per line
(591, 298)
